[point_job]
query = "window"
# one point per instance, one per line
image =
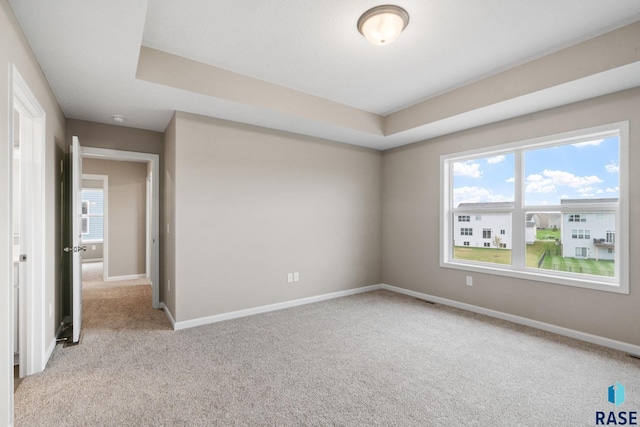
(465, 243)
(466, 231)
(577, 218)
(464, 218)
(533, 192)
(92, 215)
(611, 237)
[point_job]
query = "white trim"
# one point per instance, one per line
(267, 308)
(127, 277)
(33, 355)
(153, 239)
(571, 333)
(168, 313)
(52, 346)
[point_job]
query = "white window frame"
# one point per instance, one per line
(105, 200)
(619, 283)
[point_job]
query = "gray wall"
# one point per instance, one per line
(115, 137)
(411, 212)
(126, 214)
(252, 205)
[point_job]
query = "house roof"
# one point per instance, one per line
(587, 201)
(486, 205)
(303, 67)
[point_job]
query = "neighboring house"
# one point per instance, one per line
(531, 230)
(479, 229)
(547, 220)
(588, 234)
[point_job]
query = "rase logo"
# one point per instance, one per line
(615, 396)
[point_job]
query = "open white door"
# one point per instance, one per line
(76, 228)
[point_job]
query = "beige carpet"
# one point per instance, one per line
(92, 278)
(371, 359)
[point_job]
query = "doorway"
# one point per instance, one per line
(152, 205)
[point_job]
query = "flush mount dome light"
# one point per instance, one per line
(383, 24)
(118, 118)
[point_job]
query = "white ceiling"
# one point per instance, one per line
(89, 51)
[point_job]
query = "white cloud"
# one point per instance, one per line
(612, 190)
(569, 179)
(542, 186)
(474, 194)
(612, 167)
(469, 169)
(548, 181)
(584, 190)
(496, 159)
(512, 179)
(564, 196)
(587, 143)
(536, 183)
(600, 191)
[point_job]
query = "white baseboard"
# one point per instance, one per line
(267, 308)
(594, 339)
(47, 356)
(129, 277)
(90, 260)
(168, 314)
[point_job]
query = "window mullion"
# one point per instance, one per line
(518, 253)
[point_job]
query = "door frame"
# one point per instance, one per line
(32, 346)
(153, 238)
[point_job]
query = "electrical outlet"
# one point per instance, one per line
(469, 281)
(290, 277)
(296, 276)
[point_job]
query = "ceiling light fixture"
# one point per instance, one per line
(118, 118)
(383, 24)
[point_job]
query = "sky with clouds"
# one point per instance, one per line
(575, 171)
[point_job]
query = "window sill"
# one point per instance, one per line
(588, 282)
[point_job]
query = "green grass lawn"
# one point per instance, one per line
(548, 234)
(494, 255)
(579, 265)
(553, 260)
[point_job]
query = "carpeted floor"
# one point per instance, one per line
(377, 358)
